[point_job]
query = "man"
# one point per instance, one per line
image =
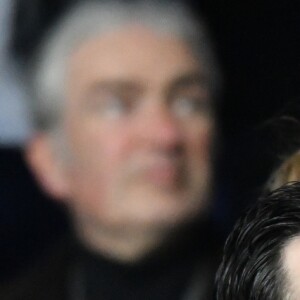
(261, 258)
(124, 128)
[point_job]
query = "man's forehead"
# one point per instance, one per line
(134, 54)
(134, 43)
(131, 32)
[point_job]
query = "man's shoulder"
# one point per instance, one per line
(46, 279)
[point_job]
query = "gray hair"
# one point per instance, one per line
(89, 19)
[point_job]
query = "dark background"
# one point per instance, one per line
(258, 46)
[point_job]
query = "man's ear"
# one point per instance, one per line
(47, 167)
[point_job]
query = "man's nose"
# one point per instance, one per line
(159, 127)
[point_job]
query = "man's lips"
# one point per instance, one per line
(162, 175)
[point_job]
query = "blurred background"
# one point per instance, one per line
(258, 46)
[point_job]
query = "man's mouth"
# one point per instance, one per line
(162, 175)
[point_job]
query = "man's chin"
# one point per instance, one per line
(164, 212)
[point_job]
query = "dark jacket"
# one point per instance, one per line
(188, 275)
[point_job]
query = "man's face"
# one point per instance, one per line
(138, 125)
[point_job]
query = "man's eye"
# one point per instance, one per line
(114, 107)
(188, 105)
(110, 106)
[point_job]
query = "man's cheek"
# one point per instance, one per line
(203, 144)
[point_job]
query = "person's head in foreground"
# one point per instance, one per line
(123, 108)
(261, 259)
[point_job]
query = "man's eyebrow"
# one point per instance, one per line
(190, 79)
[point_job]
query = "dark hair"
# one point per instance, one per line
(251, 267)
